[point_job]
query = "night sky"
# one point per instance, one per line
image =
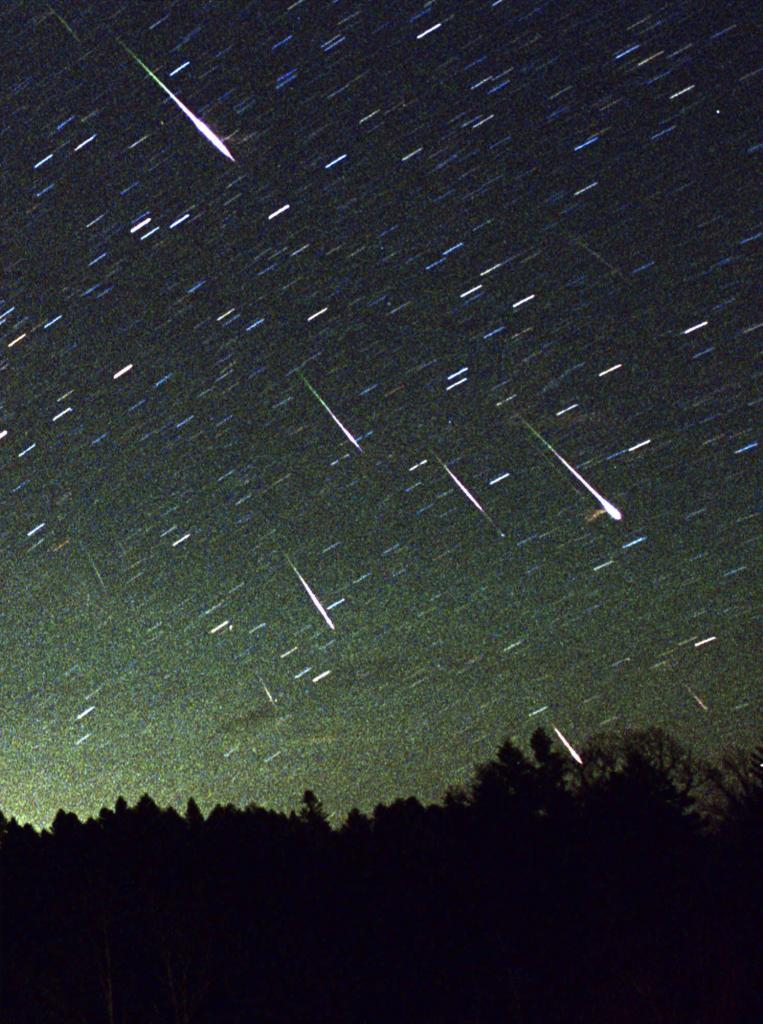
(245, 400)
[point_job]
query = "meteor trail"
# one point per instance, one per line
(569, 747)
(341, 426)
(609, 508)
(95, 569)
(65, 23)
(471, 497)
(312, 596)
(698, 700)
(198, 123)
(596, 255)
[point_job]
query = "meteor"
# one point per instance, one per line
(95, 569)
(569, 747)
(609, 508)
(698, 699)
(312, 596)
(341, 426)
(471, 497)
(205, 130)
(63, 22)
(592, 252)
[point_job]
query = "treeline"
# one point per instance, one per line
(628, 889)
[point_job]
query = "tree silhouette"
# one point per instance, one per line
(738, 789)
(311, 811)
(193, 815)
(544, 891)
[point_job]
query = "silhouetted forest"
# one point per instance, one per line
(628, 889)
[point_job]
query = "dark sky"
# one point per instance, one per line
(445, 227)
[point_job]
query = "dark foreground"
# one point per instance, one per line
(626, 890)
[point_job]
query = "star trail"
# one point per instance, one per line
(483, 234)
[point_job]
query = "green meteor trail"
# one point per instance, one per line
(341, 426)
(609, 508)
(63, 21)
(205, 130)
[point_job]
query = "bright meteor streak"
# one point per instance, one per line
(341, 426)
(205, 130)
(569, 747)
(312, 596)
(609, 508)
(471, 497)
